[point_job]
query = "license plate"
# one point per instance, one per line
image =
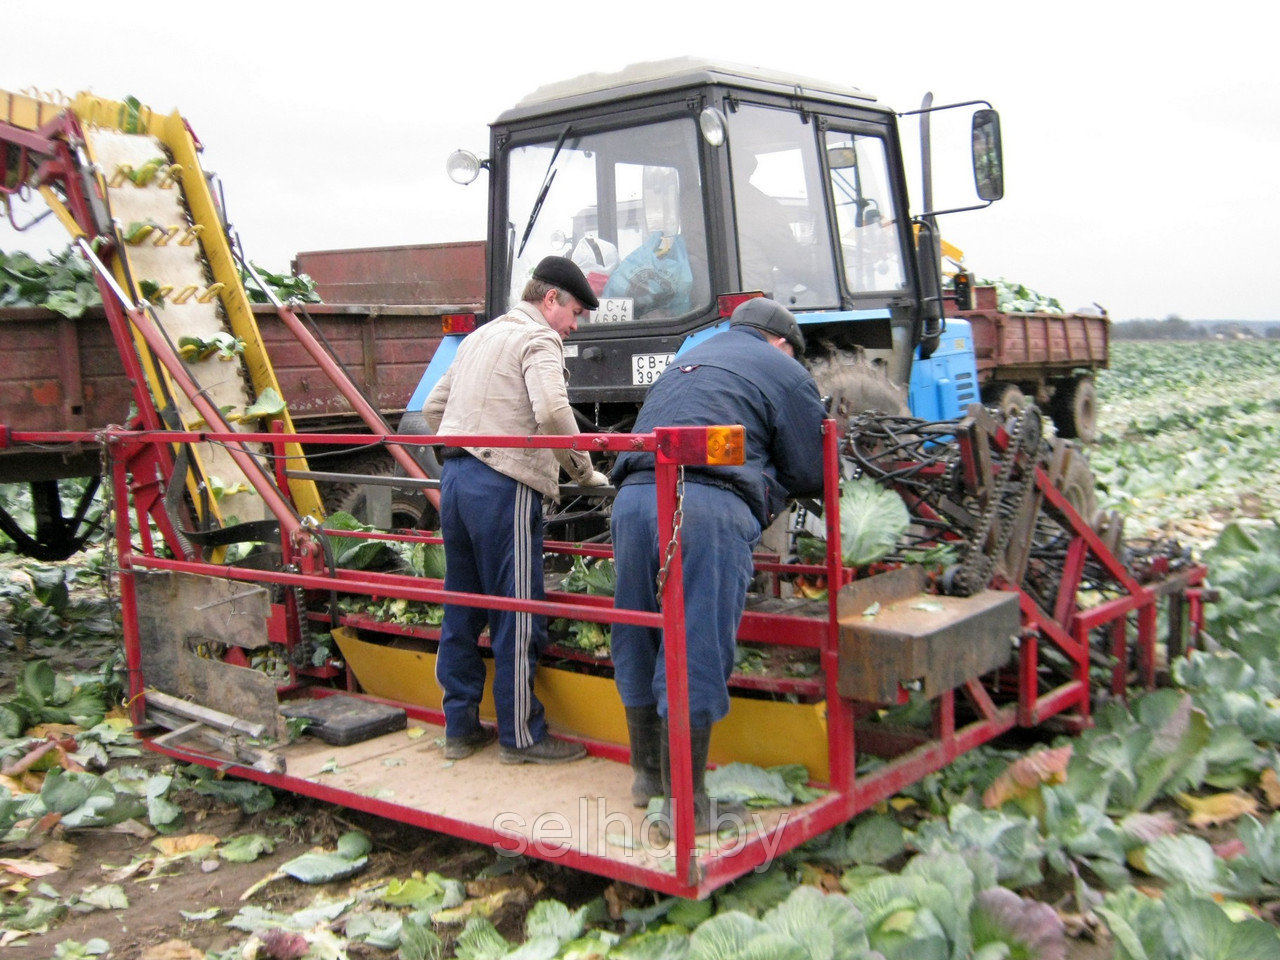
(614, 310)
(646, 367)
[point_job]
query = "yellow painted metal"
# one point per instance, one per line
(761, 732)
(176, 137)
(26, 111)
(217, 252)
(62, 213)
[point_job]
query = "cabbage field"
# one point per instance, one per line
(1190, 434)
(1152, 836)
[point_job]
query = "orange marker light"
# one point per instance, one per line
(723, 446)
(726, 445)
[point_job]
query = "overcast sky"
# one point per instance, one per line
(1140, 147)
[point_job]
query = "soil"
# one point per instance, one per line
(152, 926)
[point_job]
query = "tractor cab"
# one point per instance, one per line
(679, 187)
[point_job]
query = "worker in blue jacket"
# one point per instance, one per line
(747, 375)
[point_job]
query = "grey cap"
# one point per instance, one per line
(771, 317)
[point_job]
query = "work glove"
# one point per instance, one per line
(595, 479)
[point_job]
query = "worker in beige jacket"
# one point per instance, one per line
(508, 378)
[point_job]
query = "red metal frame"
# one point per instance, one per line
(988, 708)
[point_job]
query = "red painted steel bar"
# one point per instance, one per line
(338, 375)
(669, 480)
(841, 743)
(695, 874)
(276, 502)
(1081, 529)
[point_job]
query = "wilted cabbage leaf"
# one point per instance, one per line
(246, 848)
(1027, 928)
(322, 867)
(480, 940)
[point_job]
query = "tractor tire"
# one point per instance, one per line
(1074, 409)
(1008, 398)
(856, 386)
(410, 509)
(414, 423)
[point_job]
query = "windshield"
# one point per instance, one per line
(784, 245)
(869, 227)
(626, 206)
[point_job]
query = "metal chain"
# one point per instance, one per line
(678, 522)
(976, 569)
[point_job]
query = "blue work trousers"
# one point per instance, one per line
(492, 529)
(718, 536)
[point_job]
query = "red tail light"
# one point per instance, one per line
(729, 302)
(724, 445)
(458, 322)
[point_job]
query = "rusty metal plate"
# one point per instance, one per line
(892, 634)
(178, 612)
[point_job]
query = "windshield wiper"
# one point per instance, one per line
(547, 179)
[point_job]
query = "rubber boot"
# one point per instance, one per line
(707, 813)
(645, 727)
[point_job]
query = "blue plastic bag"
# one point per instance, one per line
(657, 282)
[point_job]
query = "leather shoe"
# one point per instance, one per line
(459, 748)
(547, 750)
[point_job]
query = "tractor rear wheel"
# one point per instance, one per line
(410, 509)
(857, 386)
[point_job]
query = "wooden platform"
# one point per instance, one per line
(574, 810)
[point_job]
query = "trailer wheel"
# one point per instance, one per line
(1008, 398)
(1080, 488)
(410, 509)
(1073, 408)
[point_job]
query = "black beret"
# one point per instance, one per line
(772, 317)
(563, 273)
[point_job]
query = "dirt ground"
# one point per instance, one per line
(153, 928)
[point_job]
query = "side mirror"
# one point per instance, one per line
(841, 158)
(988, 159)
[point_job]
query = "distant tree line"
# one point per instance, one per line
(1174, 327)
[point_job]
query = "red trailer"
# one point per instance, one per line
(1048, 358)
(449, 276)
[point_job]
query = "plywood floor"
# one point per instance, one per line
(538, 810)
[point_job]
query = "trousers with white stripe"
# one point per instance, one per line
(492, 529)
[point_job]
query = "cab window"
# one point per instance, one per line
(626, 206)
(869, 226)
(784, 244)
